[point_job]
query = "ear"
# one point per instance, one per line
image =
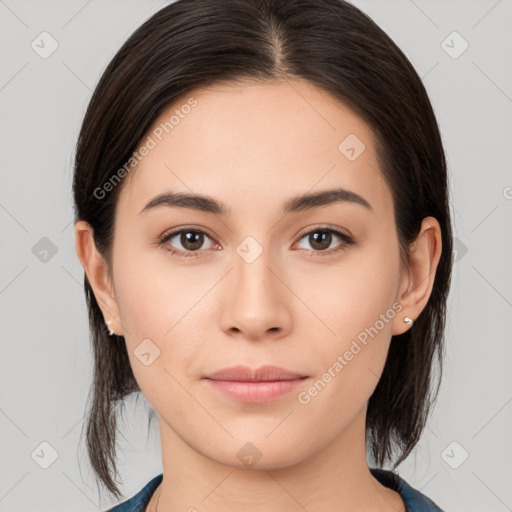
(96, 269)
(418, 278)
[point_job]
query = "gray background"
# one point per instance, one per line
(46, 360)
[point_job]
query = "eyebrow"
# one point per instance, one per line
(300, 203)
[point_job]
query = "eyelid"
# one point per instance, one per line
(325, 227)
(163, 239)
(176, 231)
(347, 239)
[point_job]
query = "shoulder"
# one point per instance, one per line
(414, 500)
(139, 502)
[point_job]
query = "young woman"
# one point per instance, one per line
(263, 219)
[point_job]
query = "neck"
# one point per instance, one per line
(335, 478)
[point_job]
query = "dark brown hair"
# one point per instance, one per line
(336, 47)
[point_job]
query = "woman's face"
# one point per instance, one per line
(267, 283)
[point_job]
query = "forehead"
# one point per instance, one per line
(253, 145)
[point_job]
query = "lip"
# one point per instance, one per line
(254, 385)
(247, 374)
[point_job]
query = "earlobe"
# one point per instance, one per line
(424, 256)
(96, 269)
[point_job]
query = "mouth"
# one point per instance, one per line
(254, 385)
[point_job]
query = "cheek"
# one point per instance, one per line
(154, 319)
(357, 302)
(152, 294)
(167, 306)
(358, 307)
(352, 296)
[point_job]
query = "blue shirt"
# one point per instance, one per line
(414, 500)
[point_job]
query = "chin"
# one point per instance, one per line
(256, 455)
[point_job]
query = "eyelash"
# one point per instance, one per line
(347, 241)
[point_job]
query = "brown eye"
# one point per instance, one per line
(320, 239)
(190, 240)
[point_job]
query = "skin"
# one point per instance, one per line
(289, 307)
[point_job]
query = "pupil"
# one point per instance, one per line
(192, 240)
(324, 237)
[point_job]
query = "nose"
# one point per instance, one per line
(257, 301)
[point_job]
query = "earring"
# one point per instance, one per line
(408, 321)
(110, 331)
